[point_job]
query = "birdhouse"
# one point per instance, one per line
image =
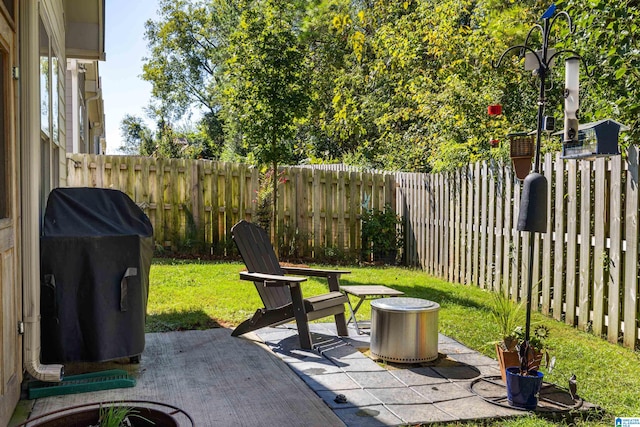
(595, 139)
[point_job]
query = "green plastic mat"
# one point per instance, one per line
(83, 383)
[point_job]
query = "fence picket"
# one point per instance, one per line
(456, 268)
(470, 231)
(572, 236)
(354, 212)
(559, 260)
(506, 265)
(499, 246)
(464, 231)
(547, 247)
(491, 230)
(599, 256)
(482, 281)
(514, 286)
(615, 251)
(584, 292)
(631, 257)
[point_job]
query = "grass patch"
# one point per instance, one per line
(200, 295)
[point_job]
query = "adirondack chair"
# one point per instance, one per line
(281, 294)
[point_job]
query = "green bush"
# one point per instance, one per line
(381, 232)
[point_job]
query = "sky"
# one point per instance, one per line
(123, 90)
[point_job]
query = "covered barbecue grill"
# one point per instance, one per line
(95, 257)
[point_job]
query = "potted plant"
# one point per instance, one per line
(524, 381)
(381, 234)
(519, 358)
(508, 316)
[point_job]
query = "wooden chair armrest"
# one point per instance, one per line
(317, 272)
(271, 279)
(332, 276)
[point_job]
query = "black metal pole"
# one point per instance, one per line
(535, 185)
(542, 74)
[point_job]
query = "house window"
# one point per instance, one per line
(49, 113)
(45, 84)
(55, 101)
(82, 125)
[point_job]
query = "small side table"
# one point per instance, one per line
(366, 292)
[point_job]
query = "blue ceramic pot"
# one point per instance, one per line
(522, 390)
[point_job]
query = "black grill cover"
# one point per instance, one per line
(96, 252)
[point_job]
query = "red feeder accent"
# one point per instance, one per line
(494, 110)
(494, 143)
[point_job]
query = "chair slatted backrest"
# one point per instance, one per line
(258, 255)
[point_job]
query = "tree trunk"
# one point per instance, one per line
(274, 199)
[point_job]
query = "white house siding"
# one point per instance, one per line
(30, 166)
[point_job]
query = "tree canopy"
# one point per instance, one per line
(382, 83)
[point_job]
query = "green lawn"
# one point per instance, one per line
(200, 295)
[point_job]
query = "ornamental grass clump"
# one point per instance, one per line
(119, 416)
(508, 315)
(512, 349)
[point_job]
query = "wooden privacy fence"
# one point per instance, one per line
(196, 202)
(462, 226)
(459, 226)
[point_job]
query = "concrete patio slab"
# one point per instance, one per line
(332, 381)
(357, 398)
(475, 408)
(376, 379)
(370, 416)
(218, 379)
(421, 414)
(418, 376)
(398, 396)
(314, 367)
(444, 391)
(385, 393)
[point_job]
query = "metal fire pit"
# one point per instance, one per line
(404, 330)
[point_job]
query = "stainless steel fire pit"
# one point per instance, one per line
(404, 330)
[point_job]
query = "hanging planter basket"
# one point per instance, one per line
(522, 144)
(522, 149)
(494, 110)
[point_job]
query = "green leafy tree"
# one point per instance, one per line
(186, 141)
(380, 83)
(608, 38)
(266, 77)
(187, 48)
(138, 138)
(407, 83)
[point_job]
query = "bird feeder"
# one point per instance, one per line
(522, 149)
(595, 139)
